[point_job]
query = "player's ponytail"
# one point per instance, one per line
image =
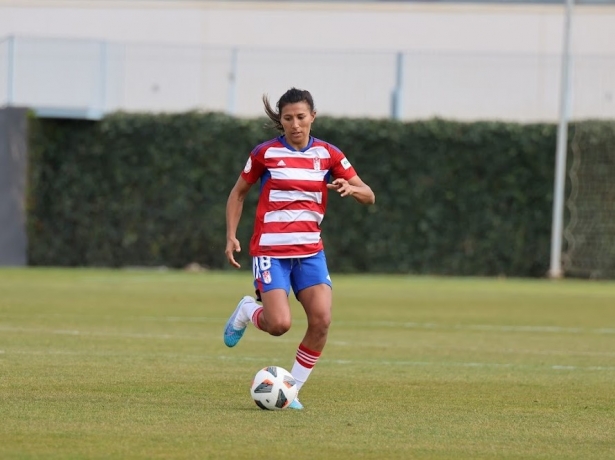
(291, 96)
(273, 115)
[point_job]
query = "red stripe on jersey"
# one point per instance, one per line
(290, 227)
(301, 185)
(293, 162)
(293, 205)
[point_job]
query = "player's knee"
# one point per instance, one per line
(320, 323)
(279, 327)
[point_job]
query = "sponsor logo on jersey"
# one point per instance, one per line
(346, 163)
(317, 164)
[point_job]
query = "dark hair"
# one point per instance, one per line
(291, 96)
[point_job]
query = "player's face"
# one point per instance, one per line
(297, 121)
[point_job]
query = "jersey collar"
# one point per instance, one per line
(282, 139)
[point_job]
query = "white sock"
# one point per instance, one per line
(304, 363)
(249, 307)
(244, 316)
(300, 374)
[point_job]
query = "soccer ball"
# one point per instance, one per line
(273, 388)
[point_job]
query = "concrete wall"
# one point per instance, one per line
(465, 61)
(13, 168)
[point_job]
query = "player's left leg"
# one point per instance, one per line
(311, 281)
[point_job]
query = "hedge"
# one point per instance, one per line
(452, 198)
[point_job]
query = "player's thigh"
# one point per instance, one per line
(309, 271)
(317, 302)
(276, 309)
(311, 283)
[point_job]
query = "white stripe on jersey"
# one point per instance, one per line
(283, 152)
(295, 195)
(298, 174)
(299, 215)
(289, 239)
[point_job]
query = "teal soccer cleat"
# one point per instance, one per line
(236, 324)
(295, 405)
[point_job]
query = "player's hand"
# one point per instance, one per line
(342, 187)
(232, 245)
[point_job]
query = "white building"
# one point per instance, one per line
(453, 60)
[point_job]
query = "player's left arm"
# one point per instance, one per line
(355, 188)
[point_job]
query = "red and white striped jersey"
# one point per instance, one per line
(293, 195)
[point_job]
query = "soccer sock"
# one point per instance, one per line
(255, 316)
(249, 307)
(253, 311)
(245, 314)
(304, 363)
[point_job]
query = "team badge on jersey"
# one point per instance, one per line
(248, 166)
(267, 277)
(316, 164)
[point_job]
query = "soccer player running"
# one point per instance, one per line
(294, 171)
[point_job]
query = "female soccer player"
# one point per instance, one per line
(294, 171)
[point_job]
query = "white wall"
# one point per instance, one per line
(502, 28)
(462, 61)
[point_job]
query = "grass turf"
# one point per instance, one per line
(131, 364)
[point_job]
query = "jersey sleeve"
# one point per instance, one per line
(340, 166)
(255, 166)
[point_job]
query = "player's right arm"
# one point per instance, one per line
(234, 205)
(234, 208)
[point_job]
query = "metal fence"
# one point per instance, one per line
(88, 79)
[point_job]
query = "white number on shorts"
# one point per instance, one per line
(265, 262)
(260, 264)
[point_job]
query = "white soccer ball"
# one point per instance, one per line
(273, 388)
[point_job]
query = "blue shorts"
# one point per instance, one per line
(298, 273)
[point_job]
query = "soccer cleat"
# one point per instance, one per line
(236, 324)
(295, 405)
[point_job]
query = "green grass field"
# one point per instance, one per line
(131, 364)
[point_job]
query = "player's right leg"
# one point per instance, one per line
(274, 316)
(239, 320)
(272, 281)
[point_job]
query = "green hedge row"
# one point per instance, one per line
(451, 198)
